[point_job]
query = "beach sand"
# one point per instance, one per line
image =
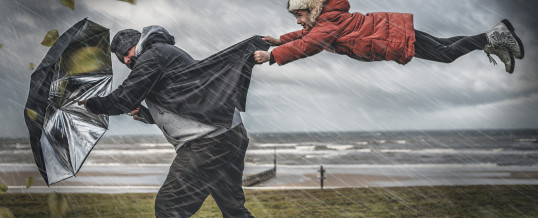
(401, 176)
(148, 178)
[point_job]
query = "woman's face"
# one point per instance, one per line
(302, 19)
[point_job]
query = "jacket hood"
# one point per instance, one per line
(123, 41)
(314, 6)
(151, 35)
(336, 5)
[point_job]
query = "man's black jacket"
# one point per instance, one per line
(207, 91)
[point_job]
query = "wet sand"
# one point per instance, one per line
(148, 178)
(398, 176)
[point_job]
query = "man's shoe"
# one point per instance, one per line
(503, 36)
(504, 54)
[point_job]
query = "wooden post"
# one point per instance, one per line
(274, 161)
(322, 175)
(262, 176)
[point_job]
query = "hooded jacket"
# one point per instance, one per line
(371, 37)
(207, 91)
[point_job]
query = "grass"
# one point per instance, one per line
(446, 201)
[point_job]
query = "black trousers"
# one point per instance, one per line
(446, 50)
(202, 167)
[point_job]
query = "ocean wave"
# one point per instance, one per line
(340, 147)
(336, 149)
(271, 145)
(22, 146)
(355, 166)
(348, 149)
(305, 148)
(92, 164)
(152, 145)
(379, 142)
(16, 152)
(458, 151)
(134, 152)
(309, 144)
(104, 151)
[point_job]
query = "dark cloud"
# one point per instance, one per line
(324, 92)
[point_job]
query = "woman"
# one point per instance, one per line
(328, 25)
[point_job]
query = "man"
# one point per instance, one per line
(196, 107)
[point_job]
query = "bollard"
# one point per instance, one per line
(322, 176)
(274, 161)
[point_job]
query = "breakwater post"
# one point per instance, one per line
(261, 177)
(321, 176)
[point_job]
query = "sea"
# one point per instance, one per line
(509, 151)
(462, 147)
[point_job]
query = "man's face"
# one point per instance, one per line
(127, 57)
(302, 19)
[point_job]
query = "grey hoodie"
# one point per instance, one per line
(178, 129)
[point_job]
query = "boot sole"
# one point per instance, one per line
(512, 30)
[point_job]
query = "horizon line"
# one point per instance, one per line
(327, 131)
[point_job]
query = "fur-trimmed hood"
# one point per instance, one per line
(314, 6)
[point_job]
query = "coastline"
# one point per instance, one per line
(147, 178)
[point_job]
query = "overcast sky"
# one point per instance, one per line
(326, 92)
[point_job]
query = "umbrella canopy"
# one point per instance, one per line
(62, 133)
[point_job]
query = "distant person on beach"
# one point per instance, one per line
(328, 25)
(210, 158)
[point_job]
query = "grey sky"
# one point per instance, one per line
(327, 92)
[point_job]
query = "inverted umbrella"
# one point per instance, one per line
(62, 133)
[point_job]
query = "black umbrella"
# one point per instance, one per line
(62, 133)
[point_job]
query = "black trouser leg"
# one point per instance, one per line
(446, 50)
(444, 41)
(202, 167)
(227, 190)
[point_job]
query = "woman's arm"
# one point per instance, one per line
(288, 37)
(317, 39)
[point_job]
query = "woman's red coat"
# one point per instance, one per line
(371, 37)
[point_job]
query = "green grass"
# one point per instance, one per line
(449, 201)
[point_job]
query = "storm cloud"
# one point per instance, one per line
(326, 92)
